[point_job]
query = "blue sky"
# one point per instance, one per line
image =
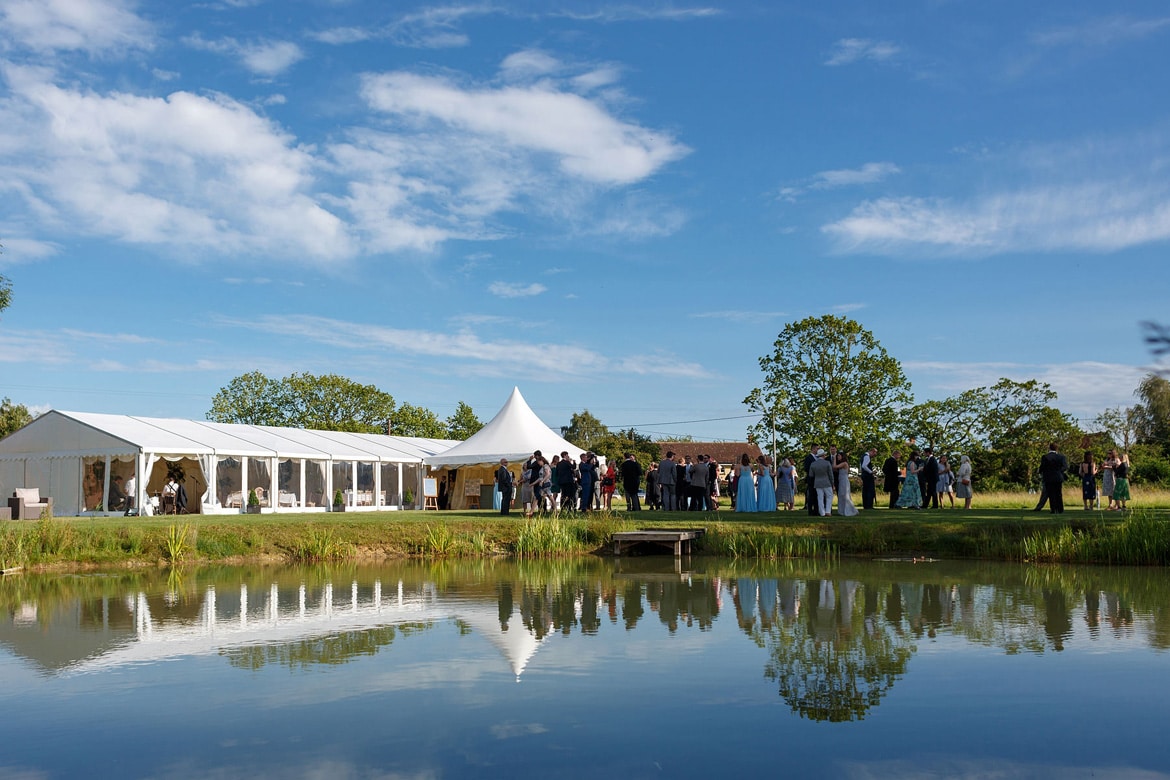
(613, 206)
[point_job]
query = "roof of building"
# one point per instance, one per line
(720, 451)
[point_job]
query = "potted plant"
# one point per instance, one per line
(338, 501)
(408, 499)
(253, 503)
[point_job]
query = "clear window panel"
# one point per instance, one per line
(365, 483)
(288, 482)
(390, 495)
(343, 481)
(260, 479)
(315, 483)
(93, 479)
(412, 481)
(229, 479)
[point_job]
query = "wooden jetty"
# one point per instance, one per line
(677, 539)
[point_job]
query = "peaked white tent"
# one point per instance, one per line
(514, 433)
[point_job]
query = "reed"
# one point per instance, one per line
(764, 544)
(177, 543)
(439, 541)
(319, 545)
(546, 537)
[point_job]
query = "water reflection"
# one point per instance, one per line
(836, 638)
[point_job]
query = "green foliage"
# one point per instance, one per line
(253, 499)
(547, 537)
(463, 424)
(1153, 415)
(585, 430)
(1148, 465)
(319, 545)
(13, 416)
(177, 544)
(338, 498)
(440, 541)
(408, 497)
(615, 446)
(953, 424)
(410, 420)
(1121, 425)
(828, 380)
(328, 402)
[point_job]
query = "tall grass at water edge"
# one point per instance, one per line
(541, 537)
(318, 545)
(1142, 539)
(760, 543)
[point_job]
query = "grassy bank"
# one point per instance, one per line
(1140, 537)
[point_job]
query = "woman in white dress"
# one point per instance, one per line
(845, 506)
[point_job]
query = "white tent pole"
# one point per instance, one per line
(243, 483)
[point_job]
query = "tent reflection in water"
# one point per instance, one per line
(514, 433)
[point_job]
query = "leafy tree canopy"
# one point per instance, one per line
(411, 420)
(13, 417)
(328, 402)
(5, 292)
(463, 424)
(1153, 414)
(585, 430)
(828, 379)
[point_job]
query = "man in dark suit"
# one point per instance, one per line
(930, 481)
(810, 491)
(1053, 467)
(892, 473)
(868, 480)
(504, 485)
(631, 480)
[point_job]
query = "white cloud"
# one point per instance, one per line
(515, 289)
(586, 140)
(186, 171)
(849, 50)
(738, 315)
(1093, 217)
(94, 26)
(467, 353)
(1079, 386)
(20, 250)
(264, 58)
(528, 63)
(869, 173)
(1102, 31)
(636, 13)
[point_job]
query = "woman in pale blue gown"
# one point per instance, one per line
(766, 488)
(745, 487)
(911, 497)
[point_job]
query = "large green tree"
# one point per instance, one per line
(585, 430)
(828, 380)
(251, 399)
(13, 417)
(5, 292)
(1153, 414)
(463, 424)
(411, 420)
(953, 424)
(328, 402)
(1019, 424)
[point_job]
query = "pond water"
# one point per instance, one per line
(644, 667)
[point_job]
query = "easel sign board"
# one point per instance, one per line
(430, 487)
(471, 487)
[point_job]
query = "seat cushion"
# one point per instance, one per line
(29, 495)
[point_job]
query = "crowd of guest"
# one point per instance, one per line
(696, 483)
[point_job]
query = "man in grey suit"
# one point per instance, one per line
(666, 477)
(821, 475)
(1053, 467)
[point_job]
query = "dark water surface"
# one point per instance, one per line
(589, 668)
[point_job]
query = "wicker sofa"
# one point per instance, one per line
(27, 504)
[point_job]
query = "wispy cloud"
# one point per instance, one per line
(849, 50)
(264, 58)
(1095, 217)
(1106, 31)
(515, 290)
(468, 353)
(869, 173)
(1079, 388)
(635, 13)
(103, 27)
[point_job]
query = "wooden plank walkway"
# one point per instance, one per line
(677, 539)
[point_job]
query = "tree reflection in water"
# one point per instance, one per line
(836, 638)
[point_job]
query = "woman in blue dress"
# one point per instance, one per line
(911, 497)
(786, 484)
(745, 488)
(766, 488)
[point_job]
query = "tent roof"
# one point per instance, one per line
(514, 433)
(58, 433)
